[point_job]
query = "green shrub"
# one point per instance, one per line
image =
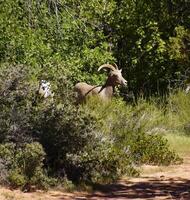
(17, 95)
(178, 114)
(131, 128)
(151, 149)
(30, 159)
(3, 172)
(68, 185)
(25, 165)
(16, 178)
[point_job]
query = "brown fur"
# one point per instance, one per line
(105, 92)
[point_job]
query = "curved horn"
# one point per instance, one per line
(107, 66)
(116, 66)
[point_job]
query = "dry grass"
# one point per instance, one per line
(7, 194)
(179, 143)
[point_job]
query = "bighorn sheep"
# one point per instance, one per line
(105, 92)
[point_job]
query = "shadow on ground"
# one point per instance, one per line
(173, 188)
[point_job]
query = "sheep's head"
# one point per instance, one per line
(115, 75)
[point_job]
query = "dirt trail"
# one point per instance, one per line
(155, 183)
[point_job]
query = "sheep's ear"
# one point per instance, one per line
(120, 70)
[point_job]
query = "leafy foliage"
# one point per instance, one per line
(178, 112)
(24, 165)
(64, 42)
(149, 40)
(134, 130)
(144, 36)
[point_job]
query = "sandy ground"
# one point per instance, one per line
(155, 183)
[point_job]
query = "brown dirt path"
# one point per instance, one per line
(155, 183)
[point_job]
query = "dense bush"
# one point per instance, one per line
(136, 129)
(91, 143)
(69, 135)
(76, 147)
(24, 165)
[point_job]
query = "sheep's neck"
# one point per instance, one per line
(108, 88)
(109, 91)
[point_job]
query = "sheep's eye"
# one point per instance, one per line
(115, 76)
